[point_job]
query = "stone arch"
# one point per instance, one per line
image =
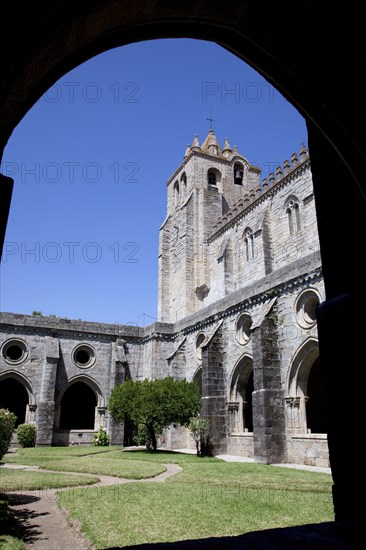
(197, 378)
(47, 41)
(305, 402)
(238, 172)
(183, 181)
(240, 395)
(176, 193)
(78, 404)
(249, 249)
(213, 177)
(292, 208)
(16, 395)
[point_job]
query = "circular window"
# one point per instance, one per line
(305, 307)
(199, 341)
(243, 326)
(15, 352)
(83, 356)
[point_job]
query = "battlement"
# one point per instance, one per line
(288, 169)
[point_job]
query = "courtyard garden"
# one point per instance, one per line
(208, 497)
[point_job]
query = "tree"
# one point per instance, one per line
(199, 427)
(155, 404)
(7, 426)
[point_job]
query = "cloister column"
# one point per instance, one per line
(46, 403)
(269, 430)
(214, 392)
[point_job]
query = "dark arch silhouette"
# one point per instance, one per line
(307, 51)
(14, 397)
(78, 407)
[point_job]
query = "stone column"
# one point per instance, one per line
(214, 392)
(46, 404)
(115, 430)
(269, 428)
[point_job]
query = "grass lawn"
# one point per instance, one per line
(26, 480)
(88, 460)
(208, 498)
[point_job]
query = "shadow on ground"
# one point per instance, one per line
(324, 536)
(19, 517)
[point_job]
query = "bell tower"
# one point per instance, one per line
(208, 182)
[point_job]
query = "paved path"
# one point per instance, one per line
(46, 527)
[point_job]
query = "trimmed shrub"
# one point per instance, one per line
(26, 435)
(7, 426)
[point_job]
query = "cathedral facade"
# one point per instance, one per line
(240, 277)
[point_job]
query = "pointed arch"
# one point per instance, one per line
(89, 382)
(238, 173)
(240, 395)
(305, 400)
(248, 237)
(293, 214)
(78, 403)
(16, 395)
(197, 378)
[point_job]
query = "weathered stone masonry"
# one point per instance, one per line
(239, 279)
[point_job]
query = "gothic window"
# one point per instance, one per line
(212, 177)
(183, 181)
(243, 326)
(305, 410)
(293, 215)
(238, 173)
(199, 341)
(241, 390)
(176, 193)
(249, 244)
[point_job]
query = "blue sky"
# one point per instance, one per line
(90, 163)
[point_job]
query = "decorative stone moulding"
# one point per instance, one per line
(201, 337)
(305, 308)
(14, 351)
(243, 326)
(83, 356)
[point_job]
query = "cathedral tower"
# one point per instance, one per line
(209, 181)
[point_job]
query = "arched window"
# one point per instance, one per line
(201, 337)
(293, 215)
(183, 181)
(212, 177)
(306, 411)
(238, 173)
(176, 193)
(241, 390)
(249, 244)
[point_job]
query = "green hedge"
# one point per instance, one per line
(27, 435)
